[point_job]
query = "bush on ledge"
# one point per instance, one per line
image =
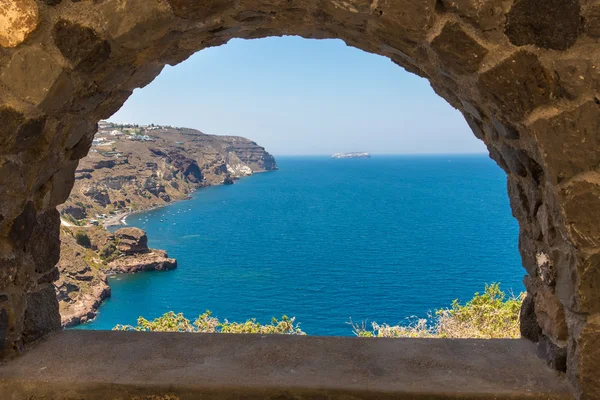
(490, 315)
(206, 323)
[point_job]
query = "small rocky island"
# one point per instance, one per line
(351, 155)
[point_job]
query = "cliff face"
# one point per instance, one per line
(88, 255)
(135, 168)
(131, 169)
(82, 285)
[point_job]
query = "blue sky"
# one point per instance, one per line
(301, 96)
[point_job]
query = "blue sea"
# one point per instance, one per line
(326, 241)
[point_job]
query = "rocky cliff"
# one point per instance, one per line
(132, 168)
(88, 255)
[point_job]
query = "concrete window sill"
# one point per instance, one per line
(124, 365)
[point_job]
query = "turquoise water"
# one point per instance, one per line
(328, 240)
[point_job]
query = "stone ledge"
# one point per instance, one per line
(107, 365)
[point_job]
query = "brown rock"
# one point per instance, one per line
(18, 18)
(517, 85)
(80, 45)
(551, 24)
(584, 359)
(520, 163)
(457, 50)
(81, 287)
(588, 285)
(555, 356)
(487, 15)
(10, 120)
(23, 225)
(592, 20)
(577, 77)
(155, 260)
(45, 242)
(132, 241)
(550, 314)
(570, 141)
(582, 211)
(505, 130)
(17, 73)
(528, 321)
(199, 11)
(4, 327)
(42, 315)
(127, 20)
(62, 182)
(76, 212)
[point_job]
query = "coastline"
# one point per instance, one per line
(89, 311)
(120, 219)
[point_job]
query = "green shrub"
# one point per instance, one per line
(108, 252)
(206, 323)
(83, 239)
(486, 316)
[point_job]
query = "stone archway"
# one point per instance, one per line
(524, 73)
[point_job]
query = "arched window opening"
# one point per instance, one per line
(331, 242)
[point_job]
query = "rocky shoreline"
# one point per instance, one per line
(88, 256)
(133, 169)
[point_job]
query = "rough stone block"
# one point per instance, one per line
(10, 120)
(517, 85)
(4, 320)
(199, 10)
(577, 77)
(49, 277)
(555, 356)
(30, 136)
(505, 130)
(486, 15)
(581, 204)
(528, 321)
(41, 316)
(410, 20)
(18, 18)
(570, 141)
(62, 183)
(584, 359)
(128, 20)
(475, 127)
(83, 47)
(550, 314)
(458, 51)
(588, 284)
(520, 163)
(44, 244)
(22, 227)
(30, 73)
(551, 24)
(592, 20)
(8, 272)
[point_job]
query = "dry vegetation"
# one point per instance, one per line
(206, 323)
(491, 314)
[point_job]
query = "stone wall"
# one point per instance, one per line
(524, 73)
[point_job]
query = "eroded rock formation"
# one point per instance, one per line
(524, 73)
(84, 266)
(131, 168)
